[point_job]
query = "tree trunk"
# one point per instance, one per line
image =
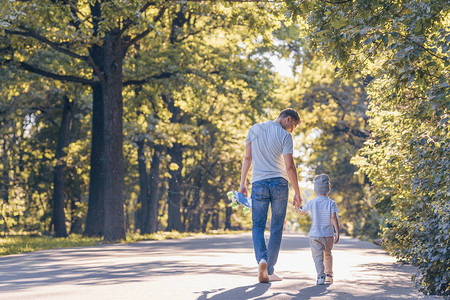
(184, 211)
(141, 213)
(206, 218)
(194, 221)
(174, 196)
(215, 220)
(114, 226)
(151, 224)
(76, 222)
(59, 219)
(5, 187)
(194, 212)
(5, 224)
(95, 215)
(175, 152)
(228, 212)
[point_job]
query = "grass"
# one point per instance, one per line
(24, 243)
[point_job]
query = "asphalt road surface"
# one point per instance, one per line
(209, 267)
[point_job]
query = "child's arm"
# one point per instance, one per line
(335, 222)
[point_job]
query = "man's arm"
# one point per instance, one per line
(335, 222)
(292, 174)
(245, 168)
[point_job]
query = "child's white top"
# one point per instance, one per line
(321, 209)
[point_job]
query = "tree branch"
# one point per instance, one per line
(136, 39)
(422, 46)
(55, 46)
(338, 2)
(64, 78)
(164, 75)
(197, 32)
(96, 68)
(356, 132)
(88, 59)
(146, 32)
(238, 1)
(130, 22)
(75, 10)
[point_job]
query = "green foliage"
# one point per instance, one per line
(409, 170)
(334, 127)
(221, 85)
(198, 76)
(29, 119)
(404, 45)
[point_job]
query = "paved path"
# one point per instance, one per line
(210, 267)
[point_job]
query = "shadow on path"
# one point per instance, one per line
(34, 275)
(116, 263)
(242, 292)
(312, 291)
(367, 272)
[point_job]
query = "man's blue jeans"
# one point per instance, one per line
(274, 191)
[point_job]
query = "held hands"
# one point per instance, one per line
(297, 201)
(297, 205)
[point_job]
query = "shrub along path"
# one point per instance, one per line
(208, 267)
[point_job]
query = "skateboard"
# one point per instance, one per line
(237, 197)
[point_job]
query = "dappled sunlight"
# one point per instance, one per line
(112, 264)
(136, 117)
(212, 267)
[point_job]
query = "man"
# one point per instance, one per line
(269, 149)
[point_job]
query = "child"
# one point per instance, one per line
(324, 217)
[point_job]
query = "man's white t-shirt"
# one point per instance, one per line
(269, 141)
(321, 209)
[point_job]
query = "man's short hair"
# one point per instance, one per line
(289, 112)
